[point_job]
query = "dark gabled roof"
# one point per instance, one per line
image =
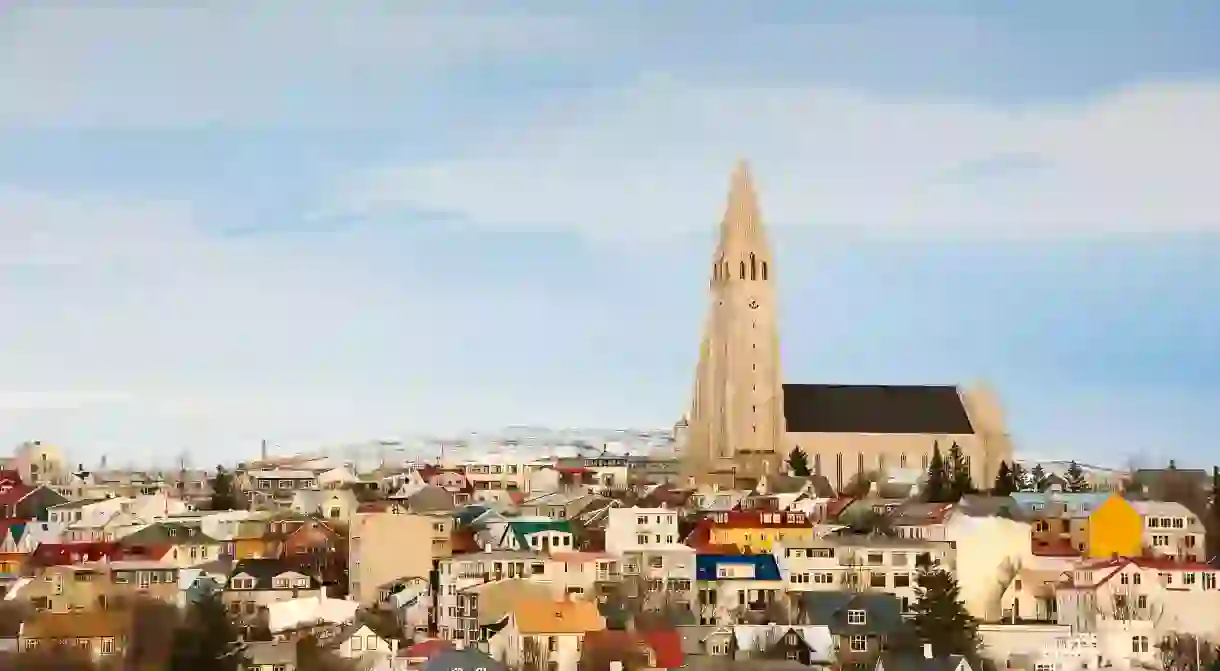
(467, 659)
(265, 570)
(827, 408)
(883, 612)
(168, 533)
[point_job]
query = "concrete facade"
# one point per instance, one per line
(744, 420)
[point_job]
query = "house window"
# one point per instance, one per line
(655, 562)
(108, 646)
(859, 643)
(1139, 644)
(1044, 667)
(855, 617)
(357, 643)
(902, 580)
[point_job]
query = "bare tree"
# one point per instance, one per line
(853, 578)
(1187, 652)
(1126, 608)
(531, 655)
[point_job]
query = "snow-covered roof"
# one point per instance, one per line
(295, 613)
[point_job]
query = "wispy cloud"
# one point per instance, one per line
(226, 63)
(645, 159)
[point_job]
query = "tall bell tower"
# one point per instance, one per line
(737, 418)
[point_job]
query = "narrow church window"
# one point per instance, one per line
(902, 460)
(743, 270)
(860, 464)
(753, 267)
(817, 463)
(881, 462)
(839, 471)
(925, 462)
(764, 273)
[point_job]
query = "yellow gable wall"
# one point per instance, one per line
(1114, 529)
(760, 539)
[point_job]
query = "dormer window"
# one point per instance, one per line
(856, 617)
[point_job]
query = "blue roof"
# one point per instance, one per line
(1074, 502)
(765, 567)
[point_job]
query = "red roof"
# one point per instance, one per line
(1165, 564)
(573, 469)
(60, 554)
(667, 644)
(10, 476)
(1041, 548)
(12, 493)
(427, 649)
(754, 519)
(836, 506)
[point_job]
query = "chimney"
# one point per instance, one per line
(927, 651)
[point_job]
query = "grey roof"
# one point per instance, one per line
(466, 659)
(829, 408)
(914, 662)
(883, 612)
(431, 499)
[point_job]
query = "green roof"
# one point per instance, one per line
(523, 530)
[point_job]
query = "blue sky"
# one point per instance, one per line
(317, 227)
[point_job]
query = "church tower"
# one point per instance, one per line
(737, 418)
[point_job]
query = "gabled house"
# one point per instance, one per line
(810, 645)
(103, 635)
(254, 584)
(861, 623)
(756, 531)
(20, 501)
(922, 662)
(539, 535)
(187, 544)
(644, 650)
(334, 504)
(1099, 525)
(736, 587)
(19, 539)
(546, 633)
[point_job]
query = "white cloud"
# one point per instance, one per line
(655, 158)
(38, 228)
(224, 62)
(57, 400)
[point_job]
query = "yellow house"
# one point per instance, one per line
(1096, 524)
(756, 531)
(1114, 528)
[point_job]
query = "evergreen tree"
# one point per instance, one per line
(1020, 478)
(1005, 483)
(798, 462)
(223, 495)
(207, 639)
(940, 617)
(1037, 478)
(1074, 480)
(960, 482)
(937, 488)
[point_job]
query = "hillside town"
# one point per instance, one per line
(610, 561)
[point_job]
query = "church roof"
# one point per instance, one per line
(829, 408)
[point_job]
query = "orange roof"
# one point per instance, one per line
(1042, 548)
(427, 649)
(535, 616)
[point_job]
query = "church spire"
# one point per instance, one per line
(741, 229)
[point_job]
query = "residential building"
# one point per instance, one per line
(633, 528)
(482, 606)
(1099, 525)
(39, 463)
(495, 474)
(102, 634)
(269, 656)
(1174, 596)
(385, 546)
(1172, 530)
(731, 587)
(555, 505)
(448, 660)
(861, 623)
(537, 534)
(254, 584)
(875, 563)
(19, 501)
(462, 572)
(757, 531)
(185, 544)
(547, 633)
(100, 585)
